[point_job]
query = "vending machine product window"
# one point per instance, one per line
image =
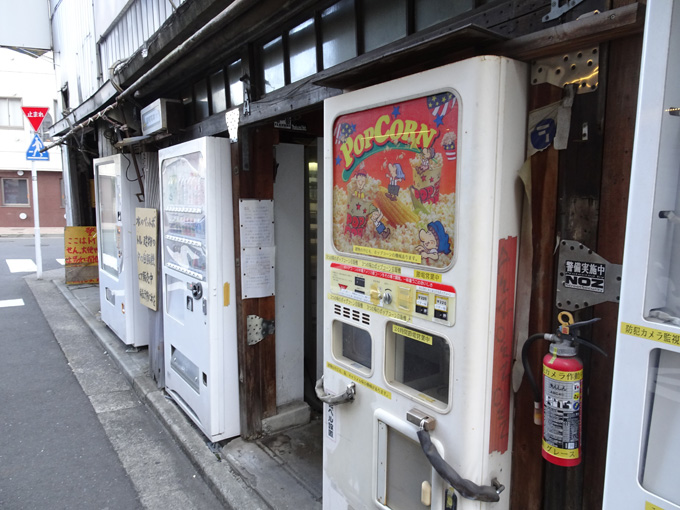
(353, 345)
(661, 446)
(419, 363)
(184, 214)
(109, 240)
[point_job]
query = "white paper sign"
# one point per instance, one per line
(256, 218)
(257, 272)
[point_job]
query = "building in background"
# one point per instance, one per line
(28, 80)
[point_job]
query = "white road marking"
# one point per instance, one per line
(21, 266)
(6, 303)
(62, 261)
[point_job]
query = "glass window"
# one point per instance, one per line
(659, 466)
(109, 237)
(10, 113)
(418, 362)
(183, 187)
(272, 61)
(384, 22)
(302, 45)
(235, 83)
(339, 32)
(219, 98)
(431, 12)
(44, 130)
(353, 346)
(15, 191)
(188, 104)
(201, 96)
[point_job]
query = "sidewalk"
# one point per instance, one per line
(275, 472)
(29, 231)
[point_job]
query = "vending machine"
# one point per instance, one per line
(644, 444)
(421, 232)
(199, 312)
(116, 190)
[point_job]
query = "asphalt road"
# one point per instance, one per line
(72, 433)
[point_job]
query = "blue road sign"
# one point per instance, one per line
(33, 153)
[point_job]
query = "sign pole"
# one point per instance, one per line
(36, 221)
(35, 116)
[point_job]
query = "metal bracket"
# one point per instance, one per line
(556, 10)
(258, 328)
(580, 68)
(584, 278)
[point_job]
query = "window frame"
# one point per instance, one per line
(20, 126)
(2, 192)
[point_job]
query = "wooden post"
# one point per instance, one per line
(257, 363)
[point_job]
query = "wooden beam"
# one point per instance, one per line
(592, 29)
(280, 103)
(527, 462)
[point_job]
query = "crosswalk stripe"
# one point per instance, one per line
(6, 303)
(21, 266)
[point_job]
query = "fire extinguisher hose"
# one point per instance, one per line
(466, 488)
(538, 398)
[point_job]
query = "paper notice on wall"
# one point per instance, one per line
(257, 272)
(146, 225)
(256, 222)
(256, 219)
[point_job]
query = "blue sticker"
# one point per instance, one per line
(543, 134)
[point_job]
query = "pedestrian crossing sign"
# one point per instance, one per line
(33, 153)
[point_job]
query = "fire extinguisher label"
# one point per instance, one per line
(561, 412)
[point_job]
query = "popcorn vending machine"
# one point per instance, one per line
(421, 236)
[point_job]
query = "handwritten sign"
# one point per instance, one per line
(80, 255)
(146, 225)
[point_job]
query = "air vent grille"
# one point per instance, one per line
(355, 315)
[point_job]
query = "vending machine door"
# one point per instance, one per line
(198, 283)
(422, 203)
(644, 446)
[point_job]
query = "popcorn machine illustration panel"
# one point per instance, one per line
(394, 177)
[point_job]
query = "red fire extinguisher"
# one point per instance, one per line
(559, 408)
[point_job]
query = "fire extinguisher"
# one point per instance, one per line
(559, 408)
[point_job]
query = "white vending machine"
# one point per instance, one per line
(421, 233)
(644, 443)
(116, 190)
(199, 305)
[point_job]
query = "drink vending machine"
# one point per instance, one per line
(421, 235)
(116, 189)
(644, 444)
(199, 312)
